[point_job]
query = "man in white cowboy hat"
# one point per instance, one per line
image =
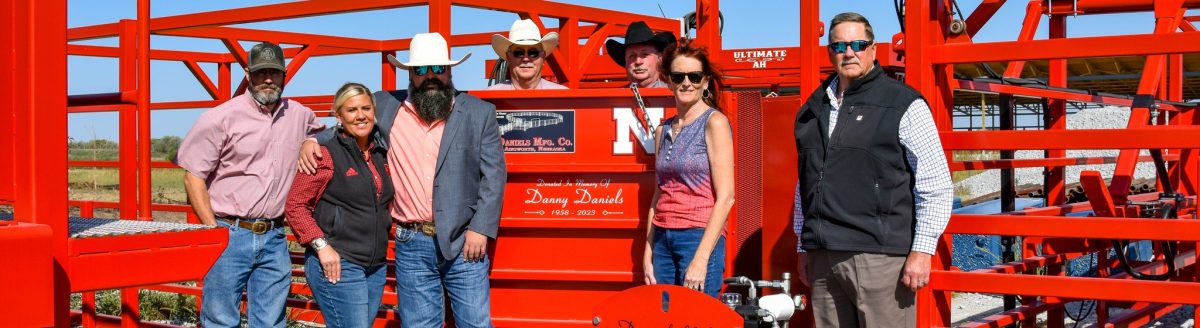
(448, 170)
(641, 54)
(525, 50)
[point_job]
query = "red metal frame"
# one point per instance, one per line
(929, 51)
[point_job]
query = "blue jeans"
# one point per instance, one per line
(354, 300)
(257, 264)
(673, 251)
(423, 278)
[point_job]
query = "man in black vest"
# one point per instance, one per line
(874, 194)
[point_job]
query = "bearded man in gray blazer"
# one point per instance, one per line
(447, 165)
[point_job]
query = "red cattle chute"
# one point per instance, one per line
(663, 306)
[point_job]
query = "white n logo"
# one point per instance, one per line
(627, 122)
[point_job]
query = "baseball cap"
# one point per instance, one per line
(266, 55)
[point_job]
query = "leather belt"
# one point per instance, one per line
(426, 227)
(257, 226)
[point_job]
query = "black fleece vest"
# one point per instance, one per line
(856, 185)
(354, 220)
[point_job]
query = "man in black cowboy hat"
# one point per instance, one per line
(641, 54)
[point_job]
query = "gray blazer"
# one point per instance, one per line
(468, 186)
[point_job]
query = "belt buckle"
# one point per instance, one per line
(260, 227)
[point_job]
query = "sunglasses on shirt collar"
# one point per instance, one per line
(422, 70)
(856, 45)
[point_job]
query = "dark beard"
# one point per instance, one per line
(432, 105)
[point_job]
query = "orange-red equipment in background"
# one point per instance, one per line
(556, 259)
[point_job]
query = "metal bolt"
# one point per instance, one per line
(596, 320)
(957, 27)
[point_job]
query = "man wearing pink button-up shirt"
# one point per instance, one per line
(448, 170)
(240, 159)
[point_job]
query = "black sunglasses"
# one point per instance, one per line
(422, 70)
(856, 45)
(533, 53)
(694, 77)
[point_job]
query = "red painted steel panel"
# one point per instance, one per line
(1142, 138)
(663, 306)
(573, 222)
(135, 260)
(27, 297)
(778, 184)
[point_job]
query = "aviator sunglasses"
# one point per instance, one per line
(694, 77)
(533, 53)
(422, 70)
(856, 45)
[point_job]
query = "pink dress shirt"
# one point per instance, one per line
(543, 85)
(246, 155)
(413, 160)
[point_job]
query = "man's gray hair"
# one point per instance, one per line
(851, 17)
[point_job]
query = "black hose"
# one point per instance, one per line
(1168, 247)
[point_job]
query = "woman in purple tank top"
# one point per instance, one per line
(685, 242)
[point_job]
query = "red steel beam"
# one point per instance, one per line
(153, 164)
(1100, 46)
(202, 77)
(1142, 138)
(993, 87)
(288, 10)
(563, 10)
(1167, 16)
(1029, 27)
(982, 14)
(127, 119)
(1085, 7)
(1040, 162)
(297, 62)
(1025, 265)
(1013, 316)
(35, 59)
(1067, 287)
(155, 54)
(439, 17)
(1072, 227)
(246, 34)
(143, 117)
(1055, 118)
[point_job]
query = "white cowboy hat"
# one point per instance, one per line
(524, 32)
(427, 49)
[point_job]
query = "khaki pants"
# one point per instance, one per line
(855, 289)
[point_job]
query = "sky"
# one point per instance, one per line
(749, 24)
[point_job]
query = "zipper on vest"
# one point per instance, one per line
(821, 176)
(378, 196)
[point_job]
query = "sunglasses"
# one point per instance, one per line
(694, 77)
(856, 45)
(532, 53)
(422, 70)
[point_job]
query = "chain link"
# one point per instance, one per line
(645, 113)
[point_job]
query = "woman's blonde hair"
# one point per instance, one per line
(350, 90)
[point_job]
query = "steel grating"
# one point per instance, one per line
(92, 227)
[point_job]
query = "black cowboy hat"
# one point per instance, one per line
(638, 32)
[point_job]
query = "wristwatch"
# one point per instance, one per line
(318, 244)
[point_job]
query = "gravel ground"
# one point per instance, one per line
(967, 307)
(1095, 118)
